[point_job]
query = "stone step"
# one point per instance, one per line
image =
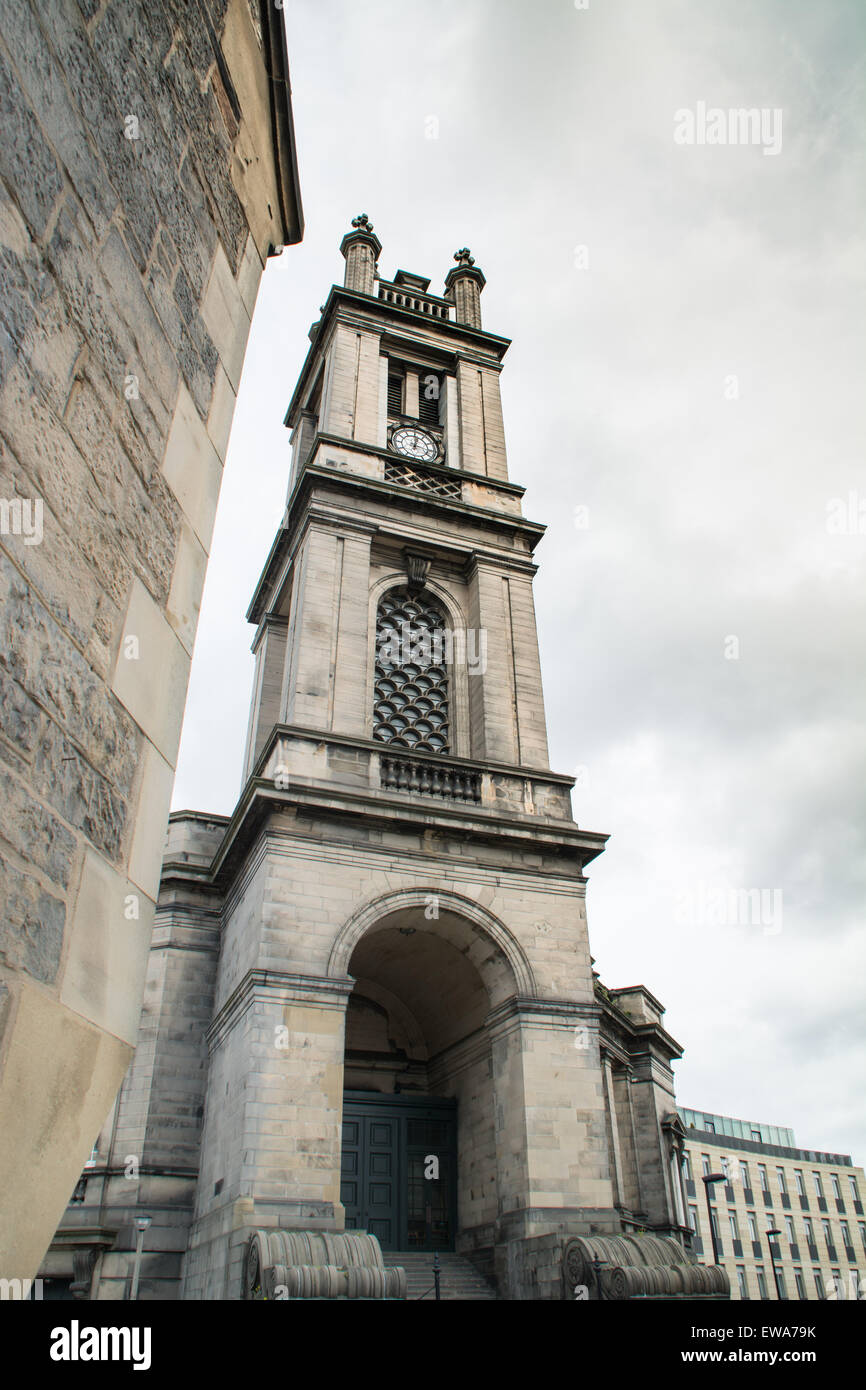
(458, 1279)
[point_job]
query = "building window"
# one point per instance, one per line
(741, 1280)
(798, 1178)
(837, 1191)
(789, 1230)
(810, 1230)
(693, 1218)
(762, 1283)
(852, 1182)
(724, 1167)
(861, 1226)
(780, 1275)
(429, 395)
(411, 689)
(744, 1174)
(798, 1280)
(780, 1178)
(753, 1225)
(711, 1129)
(756, 1135)
(735, 1226)
(819, 1186)
(762, 1174)
(395, 389)
(687, 1166)
(828, 1236)
(705, 1164)
(846, 1232)
(819, 1282)
(715, 1225)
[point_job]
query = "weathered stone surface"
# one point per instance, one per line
(33, 833)
(20, 718)
(123, 167)
(82, 796)
(26, 161)
(58, 117)
(31, 646)
(31, 927)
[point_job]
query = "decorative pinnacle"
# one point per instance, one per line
(463, 257)
(362, 222)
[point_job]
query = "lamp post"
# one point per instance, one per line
(707, 1180)
(141, 1225)
(770, 1232)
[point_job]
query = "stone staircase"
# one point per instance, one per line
(459, 1279)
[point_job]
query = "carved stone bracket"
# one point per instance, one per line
(417, 568)
(82, 1270)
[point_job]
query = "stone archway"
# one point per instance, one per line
(417, 1042)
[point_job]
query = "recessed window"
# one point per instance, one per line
(395, 389)
(429, 398)
(411, 687)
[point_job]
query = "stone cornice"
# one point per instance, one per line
(400, 498)
(279, 986)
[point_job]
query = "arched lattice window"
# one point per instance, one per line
(411, 701)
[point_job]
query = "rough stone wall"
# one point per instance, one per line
(139, 199)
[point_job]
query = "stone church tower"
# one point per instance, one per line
(371, 1003)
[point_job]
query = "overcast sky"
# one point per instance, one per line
(688, 366)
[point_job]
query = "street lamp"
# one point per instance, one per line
(141, 1225)
(707, 1179)
(769, 1233)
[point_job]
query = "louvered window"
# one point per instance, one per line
(395, 392)
(429, 388)
(411, 688)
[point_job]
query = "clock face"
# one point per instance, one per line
(414, 444)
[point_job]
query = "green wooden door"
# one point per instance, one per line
(399, 1169)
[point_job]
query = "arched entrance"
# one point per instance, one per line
(419, 1160)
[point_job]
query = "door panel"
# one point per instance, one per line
(389, 1185)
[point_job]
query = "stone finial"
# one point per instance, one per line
(463, 285)
(361, 248)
